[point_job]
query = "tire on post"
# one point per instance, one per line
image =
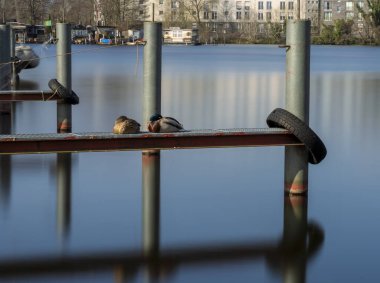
(281, 118)
(63, 93)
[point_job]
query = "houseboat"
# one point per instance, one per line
(176, 35)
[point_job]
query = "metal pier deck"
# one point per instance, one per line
(77, 142)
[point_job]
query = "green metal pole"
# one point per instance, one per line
(297, 101)
(5, 79)
(64, 123)
(152, 70)
(5, 57)
(14, 76)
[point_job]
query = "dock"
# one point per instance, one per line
(106, 141)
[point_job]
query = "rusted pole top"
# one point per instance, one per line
(77, 142)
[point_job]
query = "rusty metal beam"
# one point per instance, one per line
(28, 95)
(76, 142)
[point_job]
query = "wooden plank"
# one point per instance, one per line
(77, 142)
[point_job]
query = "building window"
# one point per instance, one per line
(291, 5)
(327, 16)
(261, 5)
(269, 5)
(141, 12)
(177, 33)
(226, 13)
(282, 17)
(290, 16)
(246, 15)
(238, 5)
(349, 6)
(282, 5)
(260, 16)
(205, 15)
(349, 15)
(361, 4)
(261, 28)
(338, 9)
(238, 15)
(160, 12)
(225, 4)
(161, 1)
(360, 17)
(327, 5)
(247, 5)
(269, 16)
(214, 15)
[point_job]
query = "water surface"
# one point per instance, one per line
(208, 196)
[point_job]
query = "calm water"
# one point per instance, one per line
(215, 198)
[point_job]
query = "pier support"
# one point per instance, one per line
(64, 124)
(152, 70)
(14, 75)
(5, 57)
(5, 78)
(297, 100)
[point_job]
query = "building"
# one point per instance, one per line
(237, 15)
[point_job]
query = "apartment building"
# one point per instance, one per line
(221, 10)
(235, 14)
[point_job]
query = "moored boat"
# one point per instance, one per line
(26, 58)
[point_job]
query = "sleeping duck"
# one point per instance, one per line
(125, 125)
(159, 124)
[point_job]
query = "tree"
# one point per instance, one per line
(372, 17)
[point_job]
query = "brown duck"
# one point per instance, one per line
(125, 125)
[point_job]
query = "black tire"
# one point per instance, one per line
(280, 118)
(70, 98)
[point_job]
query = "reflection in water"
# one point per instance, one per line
(63, 194)
(356, 94)
(343, 111)
(288, 257)
(5, 181)
(5, 160)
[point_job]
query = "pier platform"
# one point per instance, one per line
(82, 142)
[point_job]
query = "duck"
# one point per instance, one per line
(159, 124)
(125, 125)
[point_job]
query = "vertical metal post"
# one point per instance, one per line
(151, 159)
(5, 115)
(14, 76)
(64, 124)
(5, 78)
(152, 70)
(151, 202)
(5, 57)
(297, 101)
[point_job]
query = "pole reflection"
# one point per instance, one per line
(288, 257)
(151, 168)
(64, 163)
(5, 160)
